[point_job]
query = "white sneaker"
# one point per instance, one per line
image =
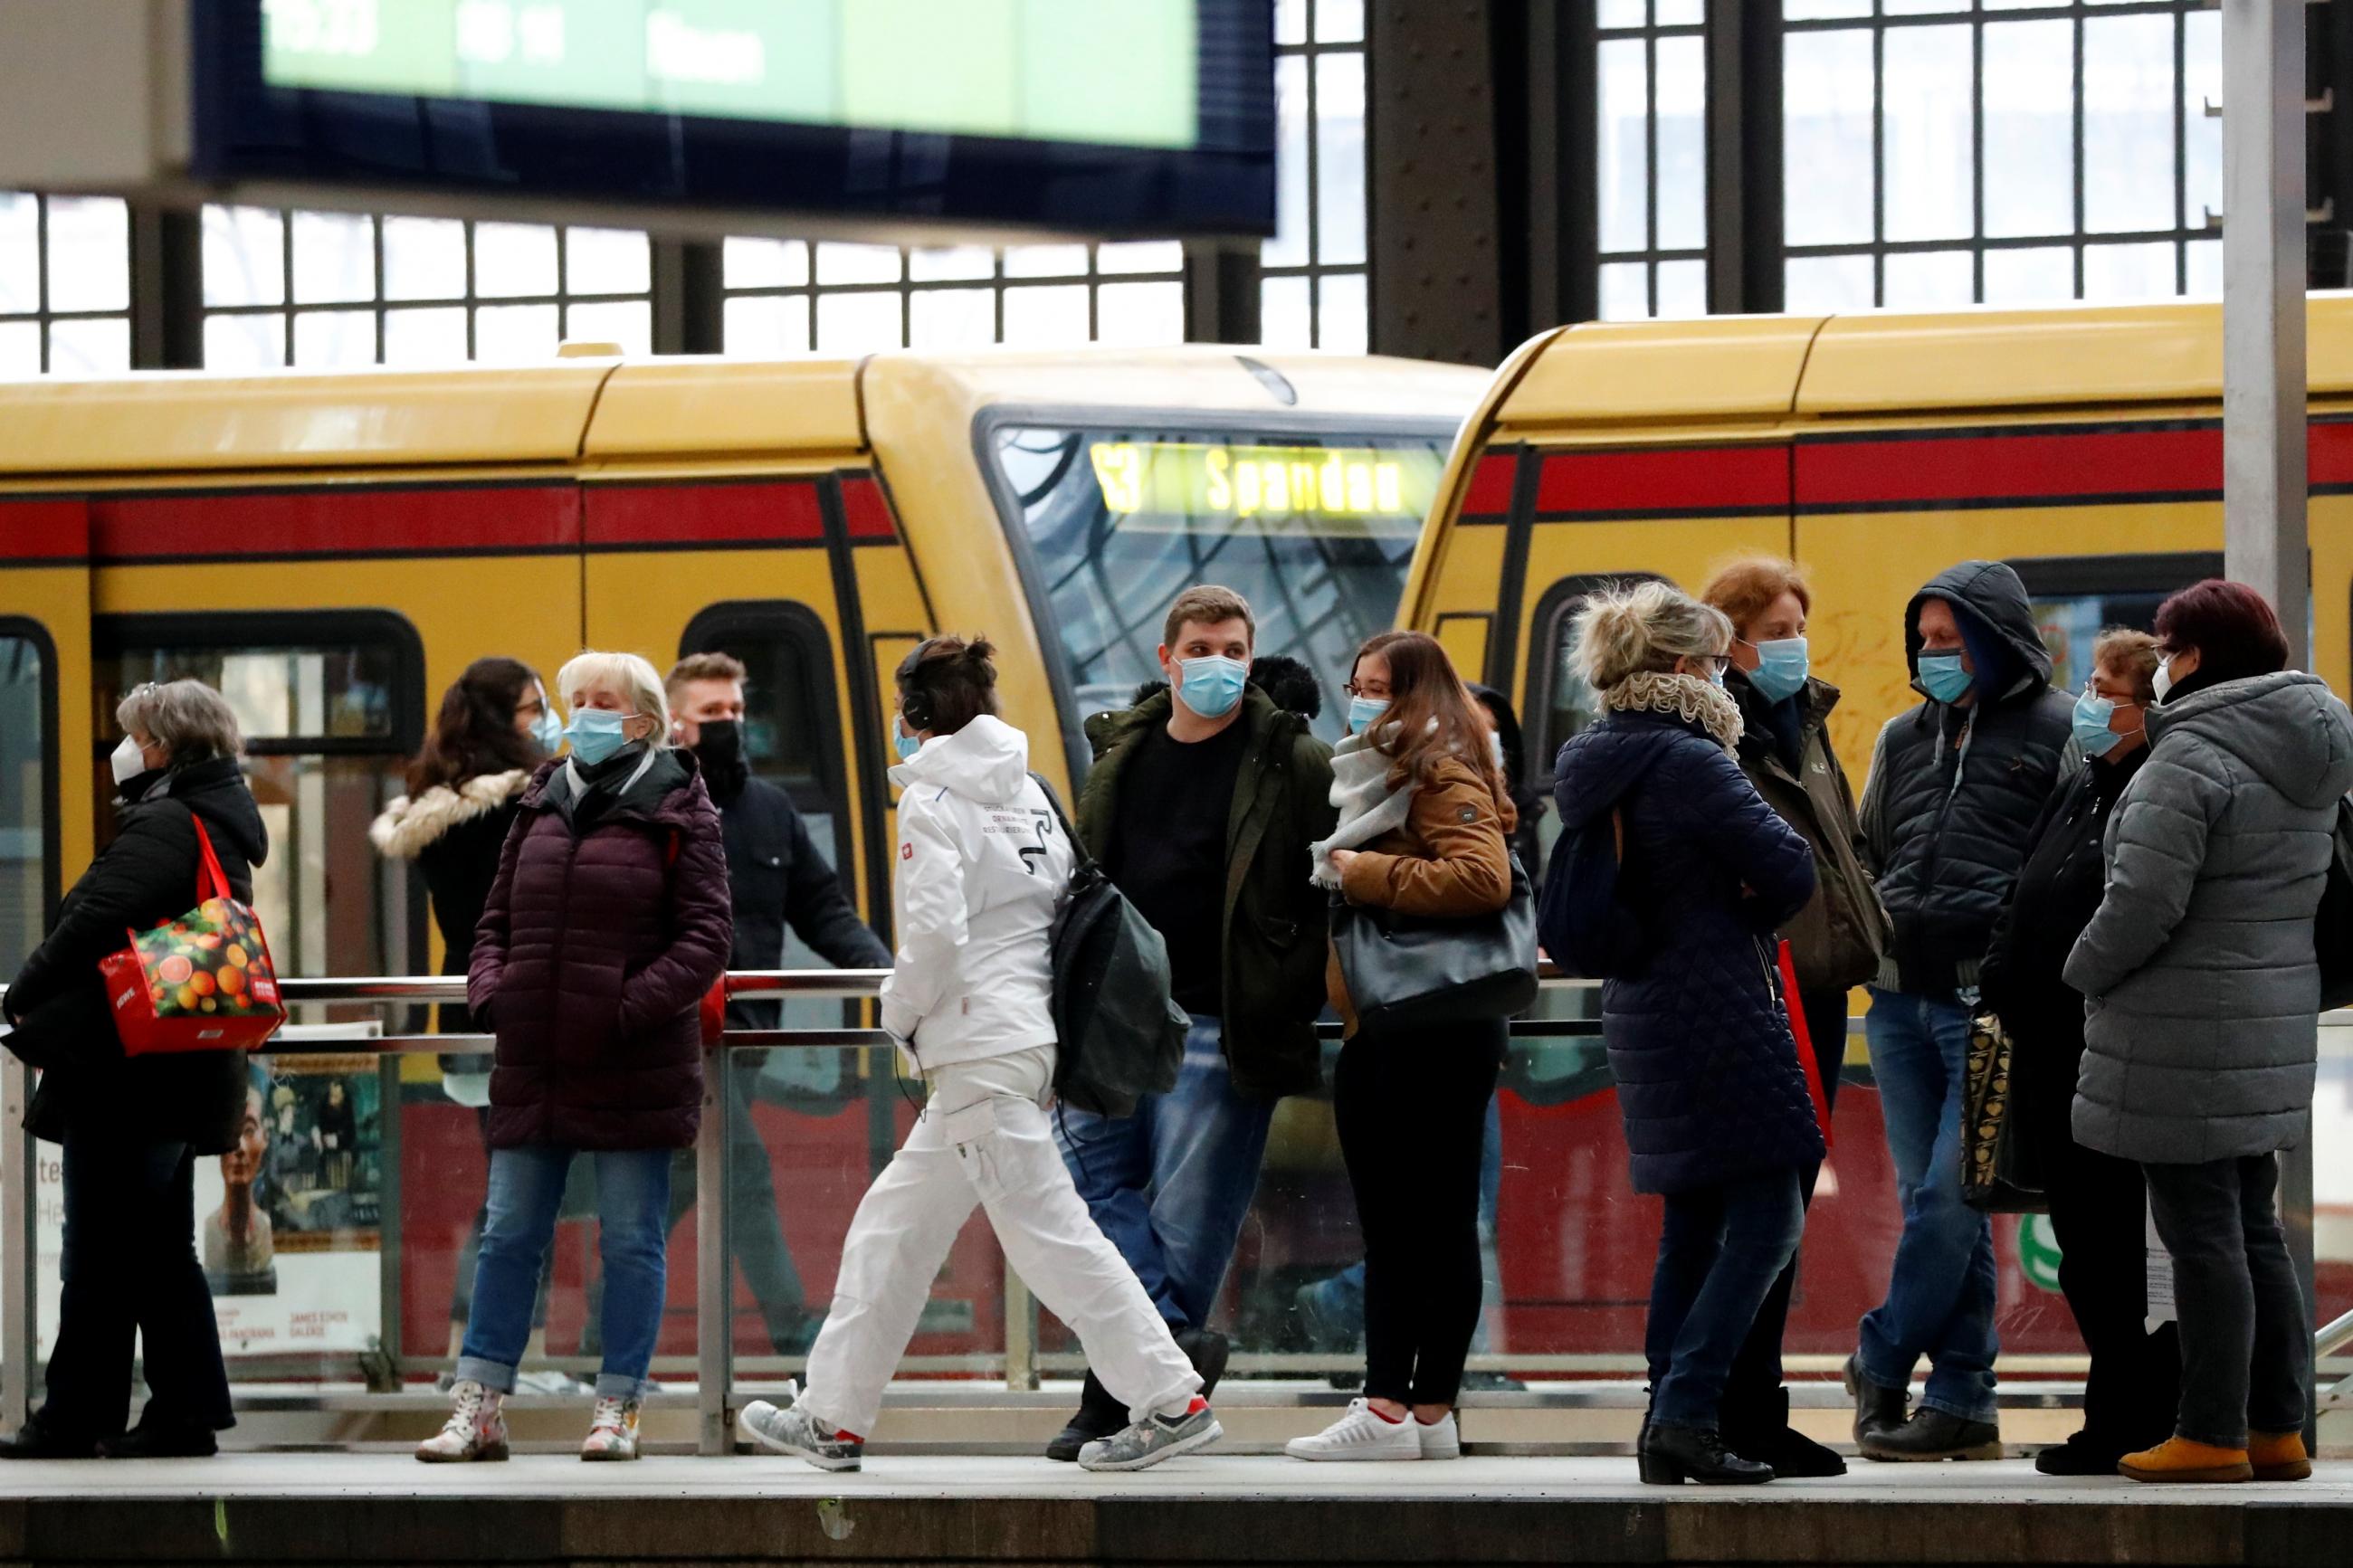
(477, 1428)
(1440, 1439)
(549, 1381)
(1360, 1434)
(612, 1430)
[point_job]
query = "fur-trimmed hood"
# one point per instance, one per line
(409, 828)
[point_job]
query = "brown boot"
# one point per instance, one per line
(2179, 1458)
(2279, 1455)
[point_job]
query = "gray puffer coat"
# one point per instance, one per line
(2198, 971)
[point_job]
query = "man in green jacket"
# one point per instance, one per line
(1201, 804)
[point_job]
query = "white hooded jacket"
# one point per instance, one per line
(983, 866)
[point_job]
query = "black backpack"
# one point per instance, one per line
(1121, 1035)
(1587, 926)
(2332, 924)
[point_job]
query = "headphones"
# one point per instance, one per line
(914, 705)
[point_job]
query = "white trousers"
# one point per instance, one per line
(984, 1137)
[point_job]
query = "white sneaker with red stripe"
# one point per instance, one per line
(1361, 1433)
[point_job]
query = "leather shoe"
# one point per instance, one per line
(1877, 1407)
(1764, 1434)
(34, 1441)
(1207, 1350)
(1100, 1415)
(1934, 1434)
(1671, 1455)
(162, 1440)
(2082, 1455)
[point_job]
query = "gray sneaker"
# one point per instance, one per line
(786, 1428)
(1151, 1440)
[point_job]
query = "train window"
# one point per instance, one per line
(332, 705)
(1560, 703)
(2076, 598)
(26, 778)
(1315, 530)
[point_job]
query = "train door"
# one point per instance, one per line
(45, 754)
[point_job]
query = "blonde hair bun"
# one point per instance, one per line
(1647, 626)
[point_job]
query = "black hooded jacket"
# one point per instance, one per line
(1955, 792)
(145, 877)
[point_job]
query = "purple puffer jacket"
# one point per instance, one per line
(595, 949)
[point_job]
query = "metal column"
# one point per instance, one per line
(714, 1276)
(19, 1278)
(2263, 417)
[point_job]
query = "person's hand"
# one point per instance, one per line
(1343, 858)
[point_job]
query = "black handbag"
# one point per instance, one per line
(1407, 970)
(1998, 1175)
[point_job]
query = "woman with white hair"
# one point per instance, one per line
(134, 1128)
(1719, 1117)
(608, 920)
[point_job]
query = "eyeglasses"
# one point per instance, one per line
(1352, 690)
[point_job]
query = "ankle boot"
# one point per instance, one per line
(1671, 1455)
(2279, 1456)
(1763, 1433)
(2179, 1458)
(1099, 1416)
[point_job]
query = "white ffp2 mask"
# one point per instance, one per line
(127, 760)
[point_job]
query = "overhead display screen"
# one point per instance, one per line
(1114, 71)
(1104, 116)
(1189, 484)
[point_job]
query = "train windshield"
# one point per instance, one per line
(1316, 532)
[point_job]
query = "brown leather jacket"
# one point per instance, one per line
(1453, 856)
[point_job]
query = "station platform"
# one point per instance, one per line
(371, 1508)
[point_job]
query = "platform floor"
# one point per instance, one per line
(384, 1508)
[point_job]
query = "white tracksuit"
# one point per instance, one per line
(982, 867)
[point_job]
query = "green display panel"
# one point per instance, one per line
(1116, 73)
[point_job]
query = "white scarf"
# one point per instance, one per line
(1368, 807)
(1702, 703)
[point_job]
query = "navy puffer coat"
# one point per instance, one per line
(608, 921)
(1699, 1041)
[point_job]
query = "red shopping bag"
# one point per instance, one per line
(1807, 1060)
(201, 983)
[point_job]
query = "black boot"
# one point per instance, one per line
(1761, 1431)
(1673, 1455)
(1207, 1350)
(2088, 1453)
(1877, 1407)
(1935, 1434)
(164, 1438)
(1099, 1416)
(35, 1440)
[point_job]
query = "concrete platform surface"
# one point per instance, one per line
(384, 1508)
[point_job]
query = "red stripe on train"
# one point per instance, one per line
(1670, 480)
(704, 514)
(352, 521)
(2073, 466)
(43, 530)
(1490, 492)
(865, 510)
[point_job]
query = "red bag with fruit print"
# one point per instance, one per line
(201, 983)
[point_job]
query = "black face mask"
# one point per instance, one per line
(721, 752)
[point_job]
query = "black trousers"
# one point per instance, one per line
(2098, 1210)
(1752, 1402)
(129, 1269)
(1412, 1114)
(2244, 1338)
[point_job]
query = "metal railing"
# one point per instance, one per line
(714, 1350)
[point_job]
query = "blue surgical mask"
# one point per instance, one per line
(548, 730)
(1715, 674)
(1212, 685)
(596, 734)
(2092, 712)
(1942, 677)
(1363, 710)
(906, 746)
(1781, 669)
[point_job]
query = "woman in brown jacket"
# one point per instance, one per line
(1425, 820)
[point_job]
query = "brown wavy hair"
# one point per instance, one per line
(474, 733)
(1435, 714)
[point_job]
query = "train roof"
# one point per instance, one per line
(574, 410)
(1743, 369)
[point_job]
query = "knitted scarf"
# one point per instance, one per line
(1698, 702)
(1368, 807)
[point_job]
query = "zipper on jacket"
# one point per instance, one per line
(1944, 810)
(555, 972)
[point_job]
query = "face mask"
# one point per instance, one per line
(547, 730)
(1716, 675)
(1213, 685)
(1363, 710)
(721, 747)
(2092, 712)
(1781, 669)
(127, 760)
(2163, 682)
(596, 734)
(906, 746)
(1942, 677)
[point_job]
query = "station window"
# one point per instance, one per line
(331, 706)
(1650, 139)
(2011, 152)
(27, 777)
(324, 289)
(790, 296)
(1311, 292)
(2076, 598)
(65, 285)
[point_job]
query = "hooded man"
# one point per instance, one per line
(1957, 785)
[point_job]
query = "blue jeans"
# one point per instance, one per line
(1172, 1184)
(1719, 1252)
(1940, 1293)
(633, 1222)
